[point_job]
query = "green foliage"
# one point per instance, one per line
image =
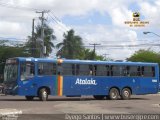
(71, 47)
(9, 52)
(3, 42)
(145, 56)
(36, 45)
(89, 55)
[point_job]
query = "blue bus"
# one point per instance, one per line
(40, 77)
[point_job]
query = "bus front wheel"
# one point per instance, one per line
(29, 98)
(43, 94)
(126, 94)
(113, 94)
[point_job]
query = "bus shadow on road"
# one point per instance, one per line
(139, 99)
(3, 98)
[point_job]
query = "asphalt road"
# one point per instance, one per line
(142, 104)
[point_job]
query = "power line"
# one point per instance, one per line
(138, 40)
(94, 49)
(55, 16)
(120, 46)
(58, 22)
(94, 46)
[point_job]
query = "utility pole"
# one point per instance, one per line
(42, 32)
(33, 40)
(105, 55)
(94, 48)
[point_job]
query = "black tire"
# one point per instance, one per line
(113, 94)
(43, 94)
(29, 98)
(126, 94)
(98, 97)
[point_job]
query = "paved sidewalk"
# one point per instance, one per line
(9, 114)
(8, 111)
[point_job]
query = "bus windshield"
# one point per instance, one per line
(10, 72)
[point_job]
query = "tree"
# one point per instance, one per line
(89, 55)
(9, 52)
(145, 56)
(71, 47)
(48, 37)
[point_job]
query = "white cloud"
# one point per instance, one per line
(108, 36)
(151, 12)
(16, 22)
(13, 29)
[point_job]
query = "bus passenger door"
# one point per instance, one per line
(27, 78)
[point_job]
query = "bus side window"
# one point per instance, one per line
(142, 71)
(107, 70)
(40, 68)
(127, 71)
(91, 71)
(54, 69)
(85, 70)
(77, 69)
(102, 70)
(149, 71)
(46, 68)
(59, 69)
(153, 71)
(111, 70)
(68, 69)
(95, 70)
(138, 71)
(40, 71)
(117, 70)
(73, 69)
(133, 71)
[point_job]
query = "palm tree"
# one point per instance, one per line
(48, 37)
(71, 47)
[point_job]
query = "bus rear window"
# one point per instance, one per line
(148, 71)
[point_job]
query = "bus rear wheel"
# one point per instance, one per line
(43, 94)
(113, 94)
(29, 98)
(126, 94)
(98, 97)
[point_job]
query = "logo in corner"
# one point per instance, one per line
(136, 21)
(136, 14)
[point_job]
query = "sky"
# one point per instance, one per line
(96, 21)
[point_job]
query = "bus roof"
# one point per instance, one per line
(84, 61)
(108, 62)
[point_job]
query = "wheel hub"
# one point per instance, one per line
(45, 94)
(126, 93)
(114, 94)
